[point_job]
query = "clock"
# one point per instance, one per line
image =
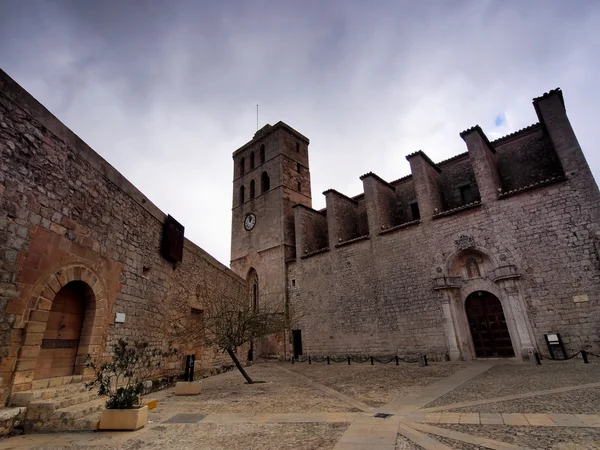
(249, 221)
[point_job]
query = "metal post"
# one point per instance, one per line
(309, 360)
(538, 359)
(186, 374)
(328, 360)
(348, 360)
(584, 356)
(397, 362)
(372, 361)
(293, 360)
(425, 360)
(192, 364)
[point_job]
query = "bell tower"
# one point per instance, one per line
(271, 174)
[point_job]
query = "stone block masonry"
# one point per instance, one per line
(67, 216)
(480, 255)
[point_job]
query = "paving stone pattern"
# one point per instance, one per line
(261, 421)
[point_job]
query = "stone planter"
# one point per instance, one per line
(187, 388)
(124, 419)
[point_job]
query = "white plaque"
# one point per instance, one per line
(552, 338)
(580, 298)
(120, 318)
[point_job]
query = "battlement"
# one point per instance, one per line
(525, 160)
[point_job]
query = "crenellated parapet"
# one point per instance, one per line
(311, 231)
(533, 157)
(346, 218)
(483, 160)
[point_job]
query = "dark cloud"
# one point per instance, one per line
(172, 87)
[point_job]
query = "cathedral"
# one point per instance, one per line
(494, 252)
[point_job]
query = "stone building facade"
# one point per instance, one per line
(481, 255)
(79, 245)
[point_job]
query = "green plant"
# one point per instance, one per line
(122, 377)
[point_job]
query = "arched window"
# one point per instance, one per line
(252, 189)
(241, 194)
(265, 182)
(262, 154)
(242, 164)
(253, 285)
(472, 268)
(251, 160)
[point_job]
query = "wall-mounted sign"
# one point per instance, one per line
(120, 317)
(172, 240)
(580, 298)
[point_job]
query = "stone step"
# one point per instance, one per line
(26, 397)
(87, 423)
(45, 383)
(83, 416)
(36, 408)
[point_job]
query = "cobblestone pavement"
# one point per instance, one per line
(443, 406)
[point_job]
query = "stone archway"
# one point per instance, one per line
(488, 327)
(473, 269)
(35, 320)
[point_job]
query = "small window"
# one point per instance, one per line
(297, 147)
(299, 187)
(242, 195)
(265, 182)
(293, 282)
(242, 164)
(262, 154)
(298, 168)
(414, 210)
(251, 160)
(252, 189)
(466, 194)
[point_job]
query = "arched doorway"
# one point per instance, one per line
(60, 343)
(488, 326)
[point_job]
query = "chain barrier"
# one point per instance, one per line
(421, 358)
(584, 355)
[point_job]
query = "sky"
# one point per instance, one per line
(166, 91)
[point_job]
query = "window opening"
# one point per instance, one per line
(242, 164)
(265, 182)
(414, 210)
(466, 194)
(251, 160)
(262, 154)
(252, 189)
(241, 194)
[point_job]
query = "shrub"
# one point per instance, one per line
(122, 377)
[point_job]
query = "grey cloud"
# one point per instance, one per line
(165, 91)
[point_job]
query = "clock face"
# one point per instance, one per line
(249, 221)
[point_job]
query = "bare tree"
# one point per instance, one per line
(228, 318)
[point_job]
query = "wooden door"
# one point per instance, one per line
(488, 326)
(63, 329)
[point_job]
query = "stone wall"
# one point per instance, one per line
(66, 214)
(396, 291)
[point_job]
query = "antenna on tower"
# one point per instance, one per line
(256, 117)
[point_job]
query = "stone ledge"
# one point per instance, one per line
(546, 182)
(449, 212)
(316, 252)
(399, 227)
(10, 418)
(350, 241)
